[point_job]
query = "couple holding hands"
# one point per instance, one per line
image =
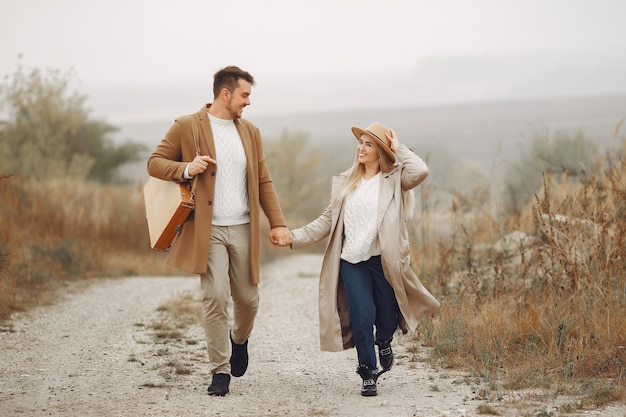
(367, 289)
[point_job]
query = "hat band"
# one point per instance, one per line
(375, 135)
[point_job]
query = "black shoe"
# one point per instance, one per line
(219, 385)
(385, 355)
(238, 358)
(368, 388)
(376, 373)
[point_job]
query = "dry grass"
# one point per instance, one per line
(60, 230)
(175, 337)
(65, 230)
(538, 299)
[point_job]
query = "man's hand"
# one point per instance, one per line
(200, 164)
(280, 236)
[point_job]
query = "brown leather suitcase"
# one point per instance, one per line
(168, 204)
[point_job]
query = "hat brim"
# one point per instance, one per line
(357, 131)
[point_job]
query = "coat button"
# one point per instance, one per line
(212, 173)
(209, 202)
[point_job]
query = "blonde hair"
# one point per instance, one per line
(357, 170)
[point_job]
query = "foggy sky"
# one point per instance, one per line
(136, 57)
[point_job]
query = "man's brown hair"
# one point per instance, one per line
(228, 77)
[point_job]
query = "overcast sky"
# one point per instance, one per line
(137, 44)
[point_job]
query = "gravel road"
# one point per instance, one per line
(97, 353)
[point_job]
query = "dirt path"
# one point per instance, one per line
(96, 354)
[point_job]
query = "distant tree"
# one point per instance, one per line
(564, 155)
(46, 131)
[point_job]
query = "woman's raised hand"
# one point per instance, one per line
(393, 140)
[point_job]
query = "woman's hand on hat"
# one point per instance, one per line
(393, 140)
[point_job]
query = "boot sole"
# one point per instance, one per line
(218, 394)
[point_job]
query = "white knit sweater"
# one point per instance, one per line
(360, 223)
(230, 204)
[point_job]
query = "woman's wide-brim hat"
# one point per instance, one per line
(378, 132)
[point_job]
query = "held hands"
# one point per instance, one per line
(200, 164)
(393, 140)
(280, 236)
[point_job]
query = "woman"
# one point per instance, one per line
(366, 280)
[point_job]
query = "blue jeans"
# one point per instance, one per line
(371, 302)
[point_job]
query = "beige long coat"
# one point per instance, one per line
(414, 300)
(190, 251)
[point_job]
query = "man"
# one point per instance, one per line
(220, 240)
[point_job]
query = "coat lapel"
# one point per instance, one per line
(385, 190)
(337, 182)
(247, 147)
(206, 134)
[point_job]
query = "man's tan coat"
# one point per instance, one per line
(190, 250)
(414, 300)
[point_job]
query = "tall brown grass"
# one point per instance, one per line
(56, 231)
(538, 298)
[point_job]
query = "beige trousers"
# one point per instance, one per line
(228, 275)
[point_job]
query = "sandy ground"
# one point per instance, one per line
(95, 353)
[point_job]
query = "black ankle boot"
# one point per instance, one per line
(219, 385)
(238, 358)
(385, 354)
(368, 388)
